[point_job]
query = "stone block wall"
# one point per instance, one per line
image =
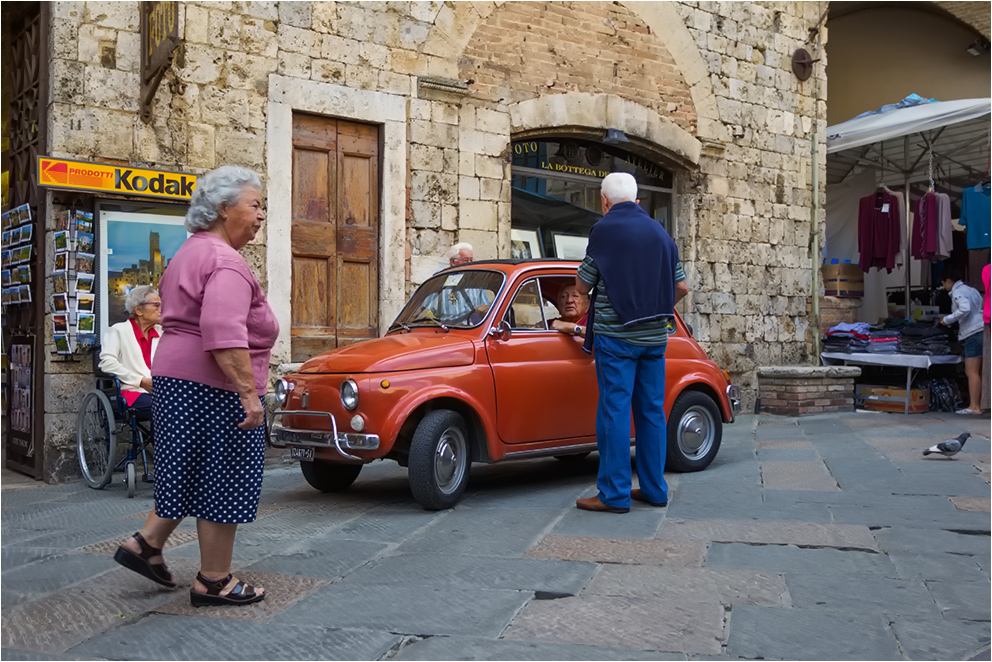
(837, 310)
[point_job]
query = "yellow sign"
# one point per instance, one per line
(123, 180)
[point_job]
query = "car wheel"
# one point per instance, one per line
(695, 429)
(439, 460)
(330, 477)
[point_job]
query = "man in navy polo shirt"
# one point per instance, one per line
(634, 266)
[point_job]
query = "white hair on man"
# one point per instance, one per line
(619, 187)
(460, 253)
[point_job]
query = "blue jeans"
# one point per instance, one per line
(630, 377)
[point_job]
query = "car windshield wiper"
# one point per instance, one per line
(397, 325)
(427, 318)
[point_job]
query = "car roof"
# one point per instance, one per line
(515, 266)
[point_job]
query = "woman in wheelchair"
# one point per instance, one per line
(128, 348)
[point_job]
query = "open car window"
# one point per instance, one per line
(454, 299)
(533, 305)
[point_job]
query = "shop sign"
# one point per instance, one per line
(120, 180)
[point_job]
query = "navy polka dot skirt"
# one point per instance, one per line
(205, 466)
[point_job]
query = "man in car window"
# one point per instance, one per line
(634, 266)
(573, 306)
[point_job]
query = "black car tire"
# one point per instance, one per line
(695, 429)
(439, 460)
(330, 477)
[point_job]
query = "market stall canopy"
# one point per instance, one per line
(897, 139)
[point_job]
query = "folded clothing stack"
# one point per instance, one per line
(847, 338)
(883, 342)
(924, 339)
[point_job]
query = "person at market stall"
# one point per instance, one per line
(209, 380)
(966, 310)
(129, 347)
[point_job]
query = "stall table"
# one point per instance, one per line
(909, 361)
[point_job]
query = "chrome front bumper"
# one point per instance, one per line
(734, 398)
(281, 436)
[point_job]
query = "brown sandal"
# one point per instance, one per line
(157, 572)
(242, 593)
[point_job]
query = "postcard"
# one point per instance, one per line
(60, 303)
(6, 277)
(60, 284)
(86, 342)
(62, 220)
(27, 231)
(15, 236)
(86, 323)
(60, 323)
(83, 221)
(7, 258)
(84, 264)
(62, 345)
(22, 254)
(84, 243)
(23, 273)
(6, 237)
(85, 303)
(25, 292)
(84, 282)
(25, 213)
(6, 220)
(61, 262)
(62, 241)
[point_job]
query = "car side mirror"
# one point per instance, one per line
(501, 331)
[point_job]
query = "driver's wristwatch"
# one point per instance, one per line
(577, 330)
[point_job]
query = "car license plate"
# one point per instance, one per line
(305, 453)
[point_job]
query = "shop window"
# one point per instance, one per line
(556, 200)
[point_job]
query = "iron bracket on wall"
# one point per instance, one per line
(159, 41)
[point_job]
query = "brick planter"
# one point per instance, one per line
(806, 390)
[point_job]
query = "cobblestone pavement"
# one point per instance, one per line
(826, 537)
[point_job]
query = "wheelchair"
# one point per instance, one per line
(103, 415)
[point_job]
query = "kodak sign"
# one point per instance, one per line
(121, 180)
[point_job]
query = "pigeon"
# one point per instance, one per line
(949, 447)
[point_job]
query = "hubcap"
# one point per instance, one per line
(696, 433)
(449, 460)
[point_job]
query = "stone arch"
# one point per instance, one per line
(455, 24)
(584, 112)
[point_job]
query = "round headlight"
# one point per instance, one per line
(349, 394)
(282, 391)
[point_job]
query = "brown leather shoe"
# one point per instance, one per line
(637, 495)
(594, 504)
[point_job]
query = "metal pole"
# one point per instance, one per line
(909, 230)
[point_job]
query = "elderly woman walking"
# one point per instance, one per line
(209, 379)
(129, 346)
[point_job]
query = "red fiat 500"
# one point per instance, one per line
(471, 371)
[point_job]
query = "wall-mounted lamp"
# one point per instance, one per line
(615, 137)
(979, 47)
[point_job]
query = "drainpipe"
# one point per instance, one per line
(814, 230)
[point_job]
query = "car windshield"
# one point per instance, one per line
(459, 299)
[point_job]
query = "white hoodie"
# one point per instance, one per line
(966, 310)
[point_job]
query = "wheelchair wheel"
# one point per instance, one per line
(96, 442)
(131, 476)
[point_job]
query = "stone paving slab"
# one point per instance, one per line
(83, 611)
(281, 591)
(322, 558)
(788, 454)
(161, 637)
(931, 541)
(650, 625)
(464, 531)
(416, 610)
(969, 601)
(747, 510)
(52, 574)
(385, 525)
(642, 521)
(784, 444)
(888, 515)
(925, 639)
(792, 559)
(706, 585)
(440, 569)
(977, 504)
(474, 648)
(861, 593)
(796, 533)
(816, 634)
(597, 549)
(937, 566)
(785, 475)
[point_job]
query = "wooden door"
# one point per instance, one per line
(335, 234)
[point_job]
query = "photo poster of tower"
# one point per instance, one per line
(136, 247)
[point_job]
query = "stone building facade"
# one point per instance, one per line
(704, 90)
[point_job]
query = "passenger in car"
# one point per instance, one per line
(574, 308)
